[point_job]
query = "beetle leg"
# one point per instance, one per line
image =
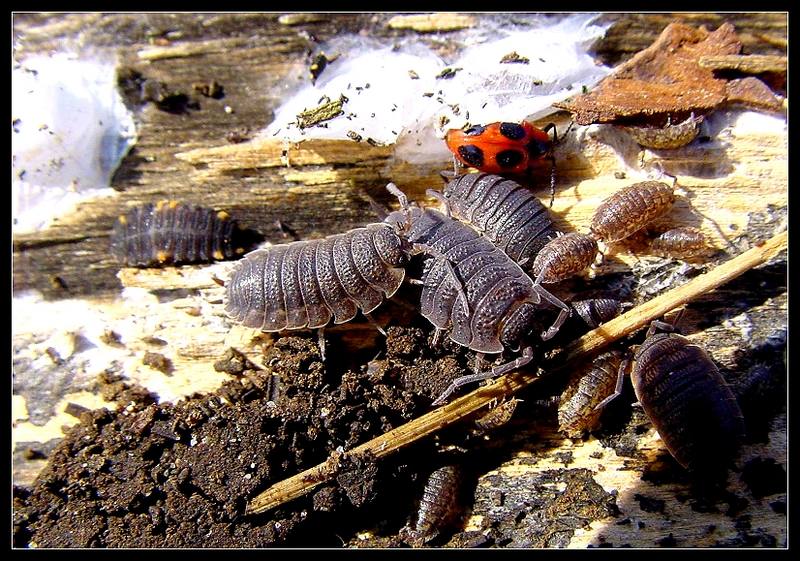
(525, 358)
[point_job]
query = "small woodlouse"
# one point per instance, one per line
(668, 137)
(504, 211)
(682, 243)
(577, 411)
(687, 400)
(170, 232)
(304, 284)
(630, 209)
(594, 312)
(497, 416)
(564, 256)
(440, 506)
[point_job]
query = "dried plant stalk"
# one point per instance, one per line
(505, 386)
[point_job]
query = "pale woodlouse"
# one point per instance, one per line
(577, 410)
(440, 506)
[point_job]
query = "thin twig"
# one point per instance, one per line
(303, 482)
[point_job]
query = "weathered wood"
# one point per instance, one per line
(736, 190)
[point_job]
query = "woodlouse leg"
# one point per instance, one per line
(527, 356)
(374, 323)
(437, 335)
(562, 315)
(618, 388)
(422, 248)
(321, 342)
(439, 196)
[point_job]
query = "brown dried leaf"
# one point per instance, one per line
(663, 79)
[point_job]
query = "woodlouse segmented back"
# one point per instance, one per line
(306, 283)
(594, 312)
(504, 211)
(630, 209)
(563, 257)
(170, 232)
(440, 506)
(668, 137)
(688, 401)
(473, 289)
(681, 243)
(576, 411)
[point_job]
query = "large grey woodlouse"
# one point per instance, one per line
(504, 211)
(172, 232)
(686, 398)
(472, 289)
(304, 284)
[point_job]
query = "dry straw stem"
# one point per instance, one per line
(507, 385)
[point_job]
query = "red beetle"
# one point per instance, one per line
(504, 148)
(501, 147)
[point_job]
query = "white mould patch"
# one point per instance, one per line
(70, 130)
(405, 94)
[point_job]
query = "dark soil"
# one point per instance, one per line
(150, 475)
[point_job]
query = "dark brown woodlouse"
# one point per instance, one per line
(688, 401)
(594, 312)
(505, 212)
(170, 232)
(577, 410)
(667, 137)
(682, 243)
(440, 506)
(305, 284)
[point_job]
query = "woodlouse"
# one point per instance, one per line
(440, 505)
(170, 232)
(630, 209)
(682, 243)
(304, 284)
(563, 256)
(619, 216)
(497, 416)
(504, 211)
(577, 410)
(668, 137)
(687, 400)
(594, 312)
(472, 289)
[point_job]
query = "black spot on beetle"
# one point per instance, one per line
(472, 155)
(512, 131)
(537, 148)
(509, 158)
